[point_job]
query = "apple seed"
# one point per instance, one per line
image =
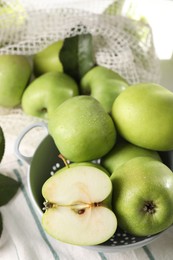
(80, 208)
(97, 204)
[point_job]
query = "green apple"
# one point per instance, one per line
(104, 85)
(15, 72)
(13, 15)
(143, 115)
(143, 196)
(81, 129)
(99, 72)
(48, 59)
(78, 206)
(124, 151)
(47, 92)
(2, 143)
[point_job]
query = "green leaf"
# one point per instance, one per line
(2, 143)
(8, 188)
(77, 56)
(1, 225)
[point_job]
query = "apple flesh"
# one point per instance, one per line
(47, 92)
(143, 196)
(143, 116)
(48, 59)
(104, 85)
(15, 72)
(124, 151)
(81, 129)
(78, 206)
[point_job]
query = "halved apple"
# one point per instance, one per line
(78, 205)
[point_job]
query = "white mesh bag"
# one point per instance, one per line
(120, 43)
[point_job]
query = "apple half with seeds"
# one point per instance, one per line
(78, 206)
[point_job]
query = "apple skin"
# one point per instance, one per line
(99, 72)
(92, 164)
(47, 92)
(143, 116)
(143, 196)
(104, 85)
(48, 59)
(124, 151)
(81, 129)
(15, 72)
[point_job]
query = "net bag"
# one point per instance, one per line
(121, 44)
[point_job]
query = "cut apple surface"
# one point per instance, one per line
(78, 206)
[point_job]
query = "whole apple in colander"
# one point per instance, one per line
(143, 196)
(81, 129)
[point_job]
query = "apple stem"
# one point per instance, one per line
(64, 160)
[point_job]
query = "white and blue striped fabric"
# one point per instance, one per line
(23, 237)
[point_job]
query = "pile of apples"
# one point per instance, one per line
(101, 118)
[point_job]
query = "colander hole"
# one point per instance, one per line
(58, 165)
